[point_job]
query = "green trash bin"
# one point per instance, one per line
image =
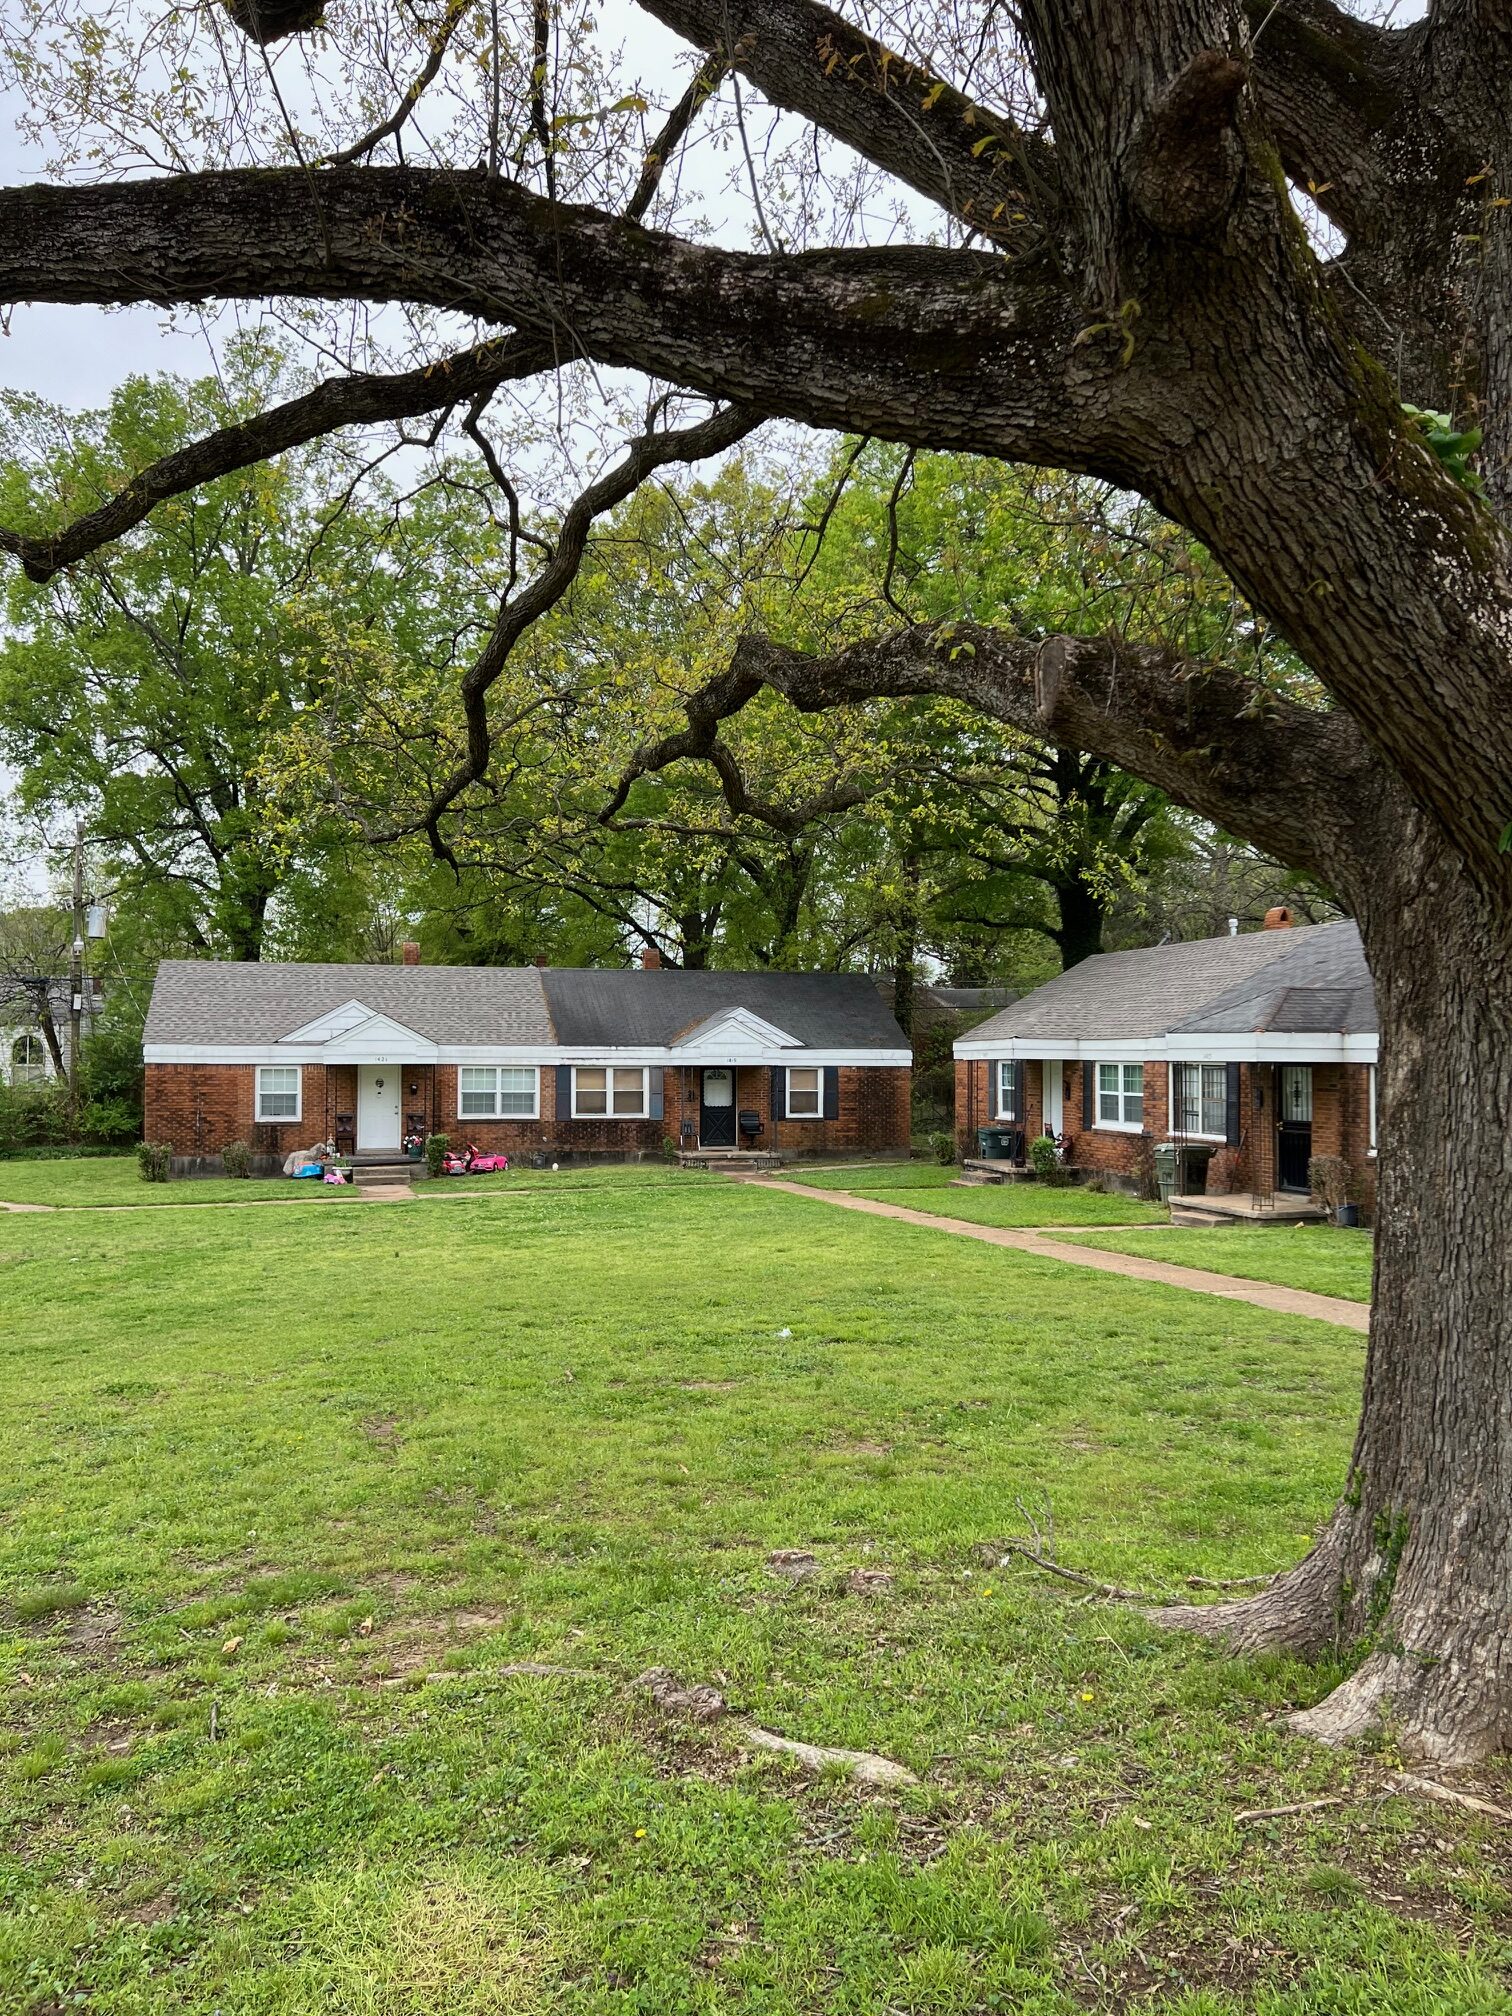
(1167, 1163)
(993, 1144)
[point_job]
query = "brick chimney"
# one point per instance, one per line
(1278, 919)
(541, 959)
(410, 952)
(650, 959)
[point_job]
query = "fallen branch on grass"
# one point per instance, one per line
(1429, 1788)
(1230, 1582)
(1281, 1812)
(863, 1765)
(706, 1704)
(1111, 1590)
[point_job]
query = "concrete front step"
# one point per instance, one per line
(1245, 1210)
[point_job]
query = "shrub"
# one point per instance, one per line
(1224, 1172)
(942, 1147)
(1044, 1160)
(669, 1148)
(436, 1146)
(1328, 1178)
(236, 1158)
(153, 1158)
(1145, 1179)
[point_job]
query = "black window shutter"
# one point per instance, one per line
(779, 1093)
(832, 1091)
(1089, 1094)
(1018, 1090)
(656, 1092)
(564, 1092)
(1231, 1107)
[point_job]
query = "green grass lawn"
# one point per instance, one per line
(94, 1181)
(1327, 1259)
(926, 1186)
(115, 1179)
(286, 1491)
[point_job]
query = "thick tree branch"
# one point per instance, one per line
(976, 163)
(897, 343)
(1303, 785)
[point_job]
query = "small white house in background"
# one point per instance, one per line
(24, 1056)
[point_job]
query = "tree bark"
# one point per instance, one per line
(1413, 1571)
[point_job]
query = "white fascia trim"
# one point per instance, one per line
(541, 1054)
(1130, 1049)
(1260, 1047)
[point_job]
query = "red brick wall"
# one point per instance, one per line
(198, 1108)
(976, 1101)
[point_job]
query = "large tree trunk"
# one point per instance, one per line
(1415, 1567)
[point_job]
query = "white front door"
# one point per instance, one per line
(1052, 1095)
(378, 1090)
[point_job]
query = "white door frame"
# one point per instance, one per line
(1054, 1116)
(380, 1124)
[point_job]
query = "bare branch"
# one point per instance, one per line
(705, 83)
(338, 402)
(390, 126)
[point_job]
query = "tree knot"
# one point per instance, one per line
(1184, 162)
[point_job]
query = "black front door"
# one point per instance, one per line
(716, 1112)
(1293, 1126)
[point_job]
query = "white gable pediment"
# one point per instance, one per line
(332, 1023)
(736, 1025)
(363, 1037)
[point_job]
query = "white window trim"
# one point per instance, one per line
(1372, 1069)
(1099, 1125)
(279, 1119)
(612, 1072)
(535, 1107)
(1173, 1107)
(787, 1093)
(1014, 1119)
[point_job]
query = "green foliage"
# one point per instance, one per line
(1452, 445)
(33, 1116)
(436, 1146)
(154, 1159)
(1045, 1161)
(943, 1148)
(236, 1159)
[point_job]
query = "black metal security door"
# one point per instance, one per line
(1294, 1112)
(716, 1115)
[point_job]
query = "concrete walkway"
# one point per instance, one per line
(1261, 1294)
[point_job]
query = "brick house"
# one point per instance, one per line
(1265, 1044)
(548, 1061)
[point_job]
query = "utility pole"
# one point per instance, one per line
(76, 976)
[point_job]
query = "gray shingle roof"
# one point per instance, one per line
(208, 1001)
(824, 1011)
(1161, 988)
(1322, 986)
(214, 1001)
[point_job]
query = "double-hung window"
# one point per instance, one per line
(610, 1091)
(1007, 1090)
(1199, 1100)
(277, 1092)
(1120, 1096)
(496, 1092)
(805, 1092)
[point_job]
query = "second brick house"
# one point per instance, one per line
(1264, 1043)
(522, 1061)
